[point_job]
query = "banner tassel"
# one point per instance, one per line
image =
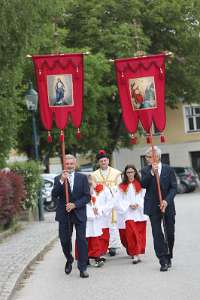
(49, 137)
(148, 139)
(162, 138)
(78, 134)
(62, 137)
(133, 139)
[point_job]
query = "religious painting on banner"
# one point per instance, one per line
(142, 91)
(60, 90)
(60, 87)
(141, 86)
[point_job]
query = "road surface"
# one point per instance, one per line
(119, 278)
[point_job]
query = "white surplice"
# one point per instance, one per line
(104, 205)
(123, 200)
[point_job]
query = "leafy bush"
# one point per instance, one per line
(12, 193)
(30, 171)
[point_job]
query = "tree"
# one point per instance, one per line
(174, 25)
(109, 29)
(121, 28)
(26, 33)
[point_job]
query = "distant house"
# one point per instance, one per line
(14, 156)
(182, 146)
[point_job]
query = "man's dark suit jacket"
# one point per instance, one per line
(80, 196)
(168, 186)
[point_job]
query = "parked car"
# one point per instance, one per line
(180, 188)
(86, 168)
(188, 178)
(48, 201)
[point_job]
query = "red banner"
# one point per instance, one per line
(60, 87)
(141, 86)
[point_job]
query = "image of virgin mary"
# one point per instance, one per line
(60, 92)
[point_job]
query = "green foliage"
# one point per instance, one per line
(105, 26)
(174, 25)
(108, 29)
(33, 182)
(25, 28)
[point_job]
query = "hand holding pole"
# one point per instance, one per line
(163, 203)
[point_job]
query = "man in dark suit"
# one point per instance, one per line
(73, 213)
(163, 241)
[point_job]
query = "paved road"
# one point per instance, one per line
(118, 278)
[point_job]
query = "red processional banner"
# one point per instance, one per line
(60, 87)
(141, 86)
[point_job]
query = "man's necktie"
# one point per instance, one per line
(70, 181)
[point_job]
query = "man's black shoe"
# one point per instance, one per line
(84, 274)
(68, 267)
(164, 268)
(112, 251)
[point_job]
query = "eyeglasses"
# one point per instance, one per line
(148, 156)
(130, 172)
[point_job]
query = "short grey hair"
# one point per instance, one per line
(156, 149)
(70, 156)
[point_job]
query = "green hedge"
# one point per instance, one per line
(31, 171)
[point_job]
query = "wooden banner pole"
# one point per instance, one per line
(156, 171)
(64, 168)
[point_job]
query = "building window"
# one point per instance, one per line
(192, 118)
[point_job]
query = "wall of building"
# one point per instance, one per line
(14, 156)
(178, 144)
(175, 129)
(179, 154)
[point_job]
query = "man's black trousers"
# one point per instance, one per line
(65, 235)
(163, 251)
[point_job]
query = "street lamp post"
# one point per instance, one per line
(31, 98)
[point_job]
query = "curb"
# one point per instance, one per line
(9, 232)
(21, 276)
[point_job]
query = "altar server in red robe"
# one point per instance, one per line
(97, 228)
(130, 217)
